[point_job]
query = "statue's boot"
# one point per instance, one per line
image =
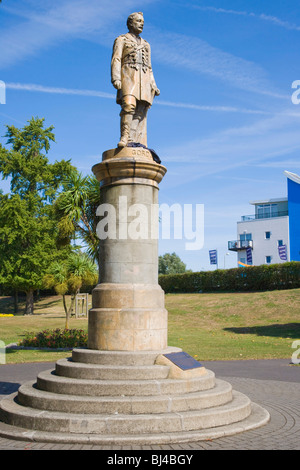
(126, 120)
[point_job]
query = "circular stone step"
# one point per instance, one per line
(67, 368)
(49, 381)
(14, 414)
(258, 417)
(29, 395)
(119, 358)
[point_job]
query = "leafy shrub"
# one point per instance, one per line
(58, 338)
(248, 279)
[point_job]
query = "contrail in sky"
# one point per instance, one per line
(32, 87)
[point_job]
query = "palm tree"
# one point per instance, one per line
(76, 211)
(69, 276)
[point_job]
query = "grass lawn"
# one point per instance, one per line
(223, 326)
(48, 314)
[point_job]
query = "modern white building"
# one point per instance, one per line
(271, 235)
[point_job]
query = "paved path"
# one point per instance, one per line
(274, 384)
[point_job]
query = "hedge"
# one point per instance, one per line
(254, 278)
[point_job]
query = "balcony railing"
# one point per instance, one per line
(247, 218)
(237, 245)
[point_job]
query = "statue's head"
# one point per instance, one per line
(135, 22)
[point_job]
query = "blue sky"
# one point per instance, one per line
(224, 125)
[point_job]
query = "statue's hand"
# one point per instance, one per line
(117, 84)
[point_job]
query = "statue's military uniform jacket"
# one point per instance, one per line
(131, 63)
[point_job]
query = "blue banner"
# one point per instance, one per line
(282, 252)
(249, 255)
(213, 256)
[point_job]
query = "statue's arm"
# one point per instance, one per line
(153, 82)
(116, 63)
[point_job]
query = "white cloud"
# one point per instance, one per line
(198, 56)
(33, 87)
(13, 119)
(58, 90)
(279, 22)
(40, 27)
(22, 41)
(234, 148)
(75, 17)
(44, 27)
(261, 16)
(226, 109)
(281, 163)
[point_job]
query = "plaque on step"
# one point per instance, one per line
(183, 360)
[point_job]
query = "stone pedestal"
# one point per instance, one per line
(125, 389)
(125, 398)
(128, 311)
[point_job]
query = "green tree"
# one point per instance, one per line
(28, 231)
(171, 264)
(68, 276)
(27, 246)
(76, 211)
(26, 162)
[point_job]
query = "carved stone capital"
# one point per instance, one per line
(129, 165)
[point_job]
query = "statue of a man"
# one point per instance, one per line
(132, 76)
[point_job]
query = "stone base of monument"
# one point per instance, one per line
(128, 387)
(126, 398)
